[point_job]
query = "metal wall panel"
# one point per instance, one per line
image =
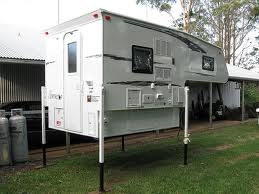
(21, 82)
(231, 94)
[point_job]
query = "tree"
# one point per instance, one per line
(225, 23)
(166, 5)
(249, 54)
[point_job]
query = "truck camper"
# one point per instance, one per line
(112, 75)
(141, 67)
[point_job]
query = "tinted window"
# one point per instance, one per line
(208, 63)
(142, 59)
(72, 57)
(34, 107)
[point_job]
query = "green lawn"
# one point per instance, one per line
(220, 161)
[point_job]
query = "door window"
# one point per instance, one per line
(72, 56)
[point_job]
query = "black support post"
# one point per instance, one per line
(185, 153)
(101, 189)
(68, 142)
(122, 144)
(44, 155)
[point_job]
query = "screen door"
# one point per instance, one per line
(72, 82)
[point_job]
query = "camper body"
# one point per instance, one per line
(124, 74)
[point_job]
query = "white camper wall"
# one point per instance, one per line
(92, 76)
(54, 76)
(81, 119)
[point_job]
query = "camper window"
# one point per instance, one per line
(208, 63)
(142, 59)
(72, 55)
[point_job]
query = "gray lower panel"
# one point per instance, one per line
(135, 121)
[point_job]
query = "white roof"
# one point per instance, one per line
(17, 42)
(238, 73)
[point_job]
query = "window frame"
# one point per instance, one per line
(203, 63)
(76, 55)
(134, 47)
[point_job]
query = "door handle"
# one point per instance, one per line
(82, 87)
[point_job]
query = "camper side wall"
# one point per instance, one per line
(132, 103)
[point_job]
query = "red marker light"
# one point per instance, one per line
(107, 17)
(46, 33)
(95, 15)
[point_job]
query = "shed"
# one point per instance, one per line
(241, 75)
(21, 64)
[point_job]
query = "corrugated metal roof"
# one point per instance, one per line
(238, 73)
(18, 42)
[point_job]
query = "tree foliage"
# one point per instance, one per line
(251, 93)
(225, 23)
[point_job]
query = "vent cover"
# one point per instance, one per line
(163, 48)
(178, 95)
(133, 97)
(159, 73)
(181, 98)
(162, 74)
(167, 74)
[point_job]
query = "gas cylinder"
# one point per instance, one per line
(5, 147)
(18, 131)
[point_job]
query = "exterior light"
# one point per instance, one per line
(107, 17)
(95, 15)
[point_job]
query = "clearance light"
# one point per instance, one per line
(107, 17)
(95, 15)
(46, 33)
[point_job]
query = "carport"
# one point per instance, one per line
(21, 64)
(242, 76)
(229, 93)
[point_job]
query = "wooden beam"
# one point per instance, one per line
(243, 101)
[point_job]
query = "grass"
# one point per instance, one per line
(220, 161)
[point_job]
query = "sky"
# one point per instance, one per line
(43, 14)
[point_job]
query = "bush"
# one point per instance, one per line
(251, 94)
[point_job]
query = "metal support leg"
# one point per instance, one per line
(101, 177)
(43, 125)
(210, 89)
(122, 144)
(44, 155)
(101, 144)
(186, 125)
(185, 153)
(68, 142)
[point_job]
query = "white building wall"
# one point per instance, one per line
(231, 94)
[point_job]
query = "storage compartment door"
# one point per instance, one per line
(72, 82)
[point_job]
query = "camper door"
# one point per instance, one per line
(72, 81)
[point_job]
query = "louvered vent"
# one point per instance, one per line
(163, 48)
(158, 46)
(159, 73)
(167, 74)
(162, 74)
